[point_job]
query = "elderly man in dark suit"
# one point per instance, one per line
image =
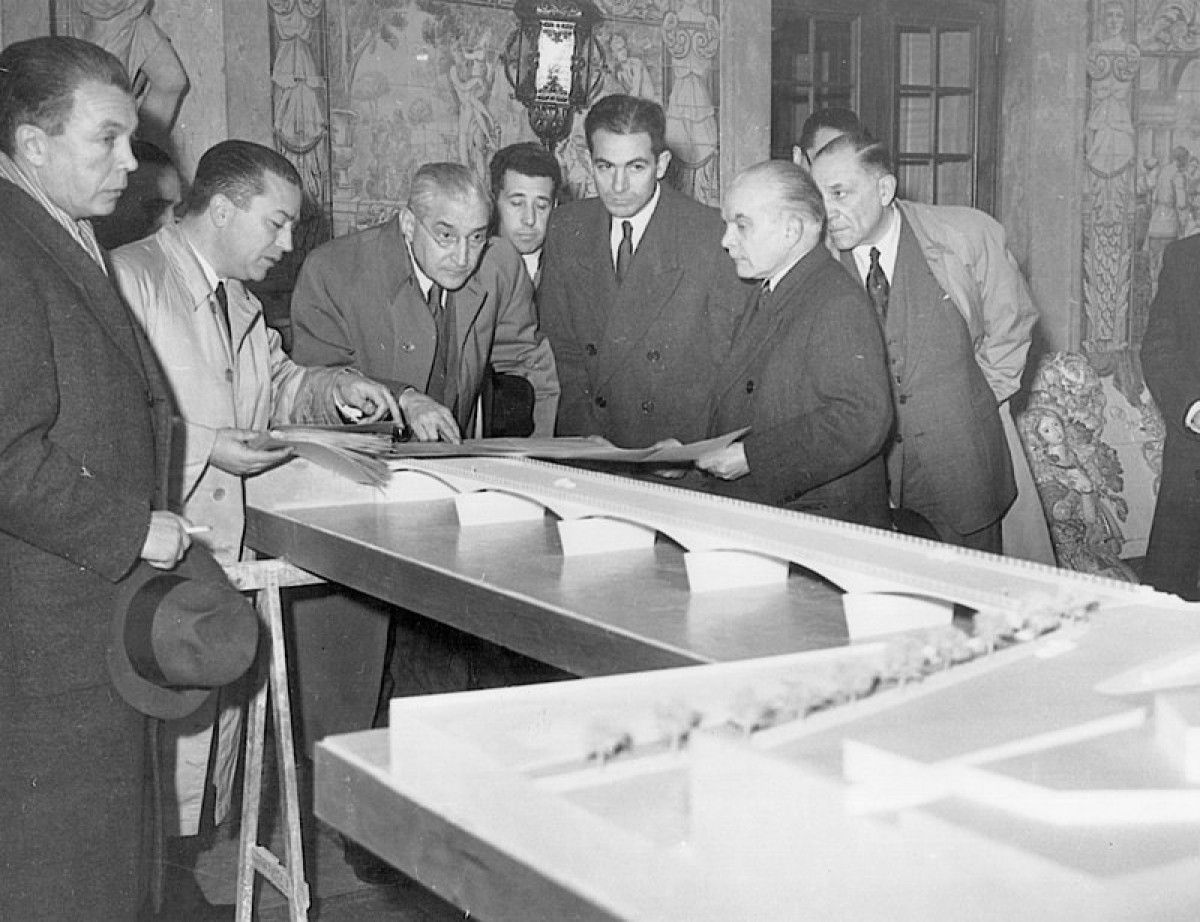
(1171, 362)
(84, 425)
(637, 298)
(958, 321)
(808, 370)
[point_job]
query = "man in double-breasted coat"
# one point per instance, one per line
(637, 297)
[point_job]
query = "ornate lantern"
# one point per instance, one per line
(553, 62)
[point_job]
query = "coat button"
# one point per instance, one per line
(653, 355)
(590, 348)
(903, 398)
(219, 493)
(749, 387)
(228, 374)
(647, 406)
(408, 347)
(601, 402)
(898, 439)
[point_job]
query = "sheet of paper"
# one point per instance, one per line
(573, 448)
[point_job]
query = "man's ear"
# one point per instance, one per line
(31, 144)
(408, 223)
(220, 209)
(661, 163)
(887, 189)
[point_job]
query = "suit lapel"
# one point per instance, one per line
(593, 267)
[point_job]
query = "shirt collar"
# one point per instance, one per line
(210, 274)
(639, 222)
(533, 262)
(888, 246)
(424, 282)
(774, 280)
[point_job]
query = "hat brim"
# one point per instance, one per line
(145, 696)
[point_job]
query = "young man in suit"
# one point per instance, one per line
(958, 321)
(526, 180)
(85, 419)
(808, 370)
(637, 297)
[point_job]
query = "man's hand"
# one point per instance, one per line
(428, 419)
(728, 463)
(166, 541)
(667, 472)
(231, 452)
(370, 399)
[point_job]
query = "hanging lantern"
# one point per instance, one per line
(553, 62)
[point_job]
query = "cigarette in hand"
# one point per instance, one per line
(197, 529)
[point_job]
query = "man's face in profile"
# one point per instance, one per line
(83, 167)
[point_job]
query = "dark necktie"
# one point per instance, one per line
(624, 250)
(877, 285)
(223, 304)
(443, 377)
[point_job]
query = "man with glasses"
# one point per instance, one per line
(424, 302)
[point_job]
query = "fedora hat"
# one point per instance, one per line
(179, 634)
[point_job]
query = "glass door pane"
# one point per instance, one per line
(936, 96)
(814, 64)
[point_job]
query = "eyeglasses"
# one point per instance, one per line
(447, 239)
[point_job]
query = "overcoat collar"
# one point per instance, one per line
(769, 317)
(100, 295)
(184, 266)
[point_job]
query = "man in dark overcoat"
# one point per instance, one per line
(84, 442)
(808, 370)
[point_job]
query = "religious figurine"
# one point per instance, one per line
(124, 28)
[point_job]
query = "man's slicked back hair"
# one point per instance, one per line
(449, 180)
(237, 169)
(791, 187)
(873, 156)
(623, 114)
(39, 77)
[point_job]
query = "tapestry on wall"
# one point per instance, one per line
(1142, 159)
(368, 90)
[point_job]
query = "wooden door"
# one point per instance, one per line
(921, 74)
